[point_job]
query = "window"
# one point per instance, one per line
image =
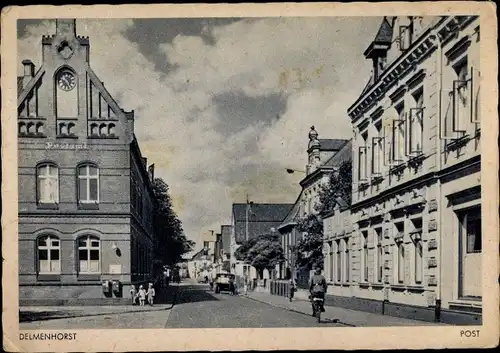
(398, 135)
(49, 255)
(377, 151)
(339, 262)
(416, 124)
(400, 256)
(461, 97)
(88, 254)
(404, 39)
(419, 262)
(365, 256)
(330, 267)
(471, 223)
(347, 276)
(93, 130)
(362, 169)
(476, 91)
(417, 242)
(48, 183)
(88, 184)
(380, 250)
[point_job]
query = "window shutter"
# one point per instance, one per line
(475, 95)
(387, 145)
(407, 137)
(404, 37)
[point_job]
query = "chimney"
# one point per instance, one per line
(29, 68)
(29, 72)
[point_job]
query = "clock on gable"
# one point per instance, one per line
(66, 80)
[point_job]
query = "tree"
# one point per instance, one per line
(309, 250)
(263, 252)
(171, 242)
(339, 185)
(242, 252)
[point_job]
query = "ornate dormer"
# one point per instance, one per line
(377, 51)
(313, 151)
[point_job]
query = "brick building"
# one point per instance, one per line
(85, 191)
(415, 246)
(250, 220)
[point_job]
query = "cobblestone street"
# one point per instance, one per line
(195, 307)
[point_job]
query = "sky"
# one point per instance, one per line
(224, 105)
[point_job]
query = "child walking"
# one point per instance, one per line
(151, 294)
(142, 295)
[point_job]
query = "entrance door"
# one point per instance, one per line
(471, 241)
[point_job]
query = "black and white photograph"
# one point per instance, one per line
(268, 171)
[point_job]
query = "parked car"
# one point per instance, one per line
(225, 282)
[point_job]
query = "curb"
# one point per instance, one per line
(103, 314)
(298, 311)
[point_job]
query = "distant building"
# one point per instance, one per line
(86, 199)
(416, 206)
(226, 231)
(324, 157)
(250, 220)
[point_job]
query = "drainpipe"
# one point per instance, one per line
(439, 72)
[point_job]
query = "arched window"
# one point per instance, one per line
(39, 128)
(71, 128)
(31, 128)
(88, 183)
(89, 254)
(22, 128)
(48, 183)
(102, 130)
(111, 130)
(63, 129)
(93, 130)
(49, 255)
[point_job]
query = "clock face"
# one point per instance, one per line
(66, 80)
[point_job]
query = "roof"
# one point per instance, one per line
(331, 144)
(262, 218)
(384, 34)
(290, 218)
(345, 154)
(383, 39)
(198, 255)
(262, 212)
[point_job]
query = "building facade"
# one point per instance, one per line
(85, 191)
(324, 156)
(226, 231)
(250, 220)
(416, 200)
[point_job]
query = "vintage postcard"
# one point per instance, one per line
(250, 177)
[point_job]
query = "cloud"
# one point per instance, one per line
(232, 107)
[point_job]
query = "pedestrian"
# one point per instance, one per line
(151, 294)
(292, 289)
(142, 295)
(245, 285)
(133, 294)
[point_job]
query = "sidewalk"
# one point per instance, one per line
(40, 313)
(343, 316)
